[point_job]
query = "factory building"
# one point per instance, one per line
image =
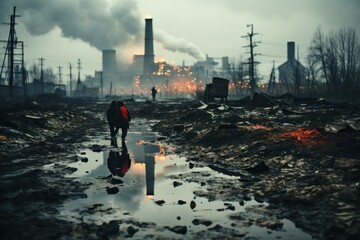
(292, 72)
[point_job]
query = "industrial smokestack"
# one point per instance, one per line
(109, 69)
(149, 48)
(109, 61)
(291, 51)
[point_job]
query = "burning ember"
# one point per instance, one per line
(259, 127)
(305, 136)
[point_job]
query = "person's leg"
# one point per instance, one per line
(116, 130)
(111, 130)
(124, 133)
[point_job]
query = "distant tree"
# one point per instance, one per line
(49, 75)
(349, 59)
(237, 73)
(337, 58)
(34, 72)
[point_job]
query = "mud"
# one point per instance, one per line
(298, 162)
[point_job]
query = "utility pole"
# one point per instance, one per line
(12, 40)
(79, 67)
(78, 81)
(101, 83)
(23, 70)
(42, 74)
(70, 67)
(251, 61)
(60, 80)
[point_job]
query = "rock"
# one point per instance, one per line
(112, 190)
(192, 204)
(181, 202)
(176, 184)
(258, 168)
(131, 231)
(84, 159)
(160, 202)
(178, 229)
(96, 148)
(202, 222)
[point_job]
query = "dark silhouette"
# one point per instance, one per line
(153, 93)
(112, 116)
(119, 164)
(118, 116)
(123, 120)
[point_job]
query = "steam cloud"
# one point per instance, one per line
(104, 24)
(100, 23)
(174, 44)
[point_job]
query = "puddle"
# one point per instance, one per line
(135, 181)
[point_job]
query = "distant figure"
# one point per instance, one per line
(123, 119)
(118, 116)
(119, 164)
(153, 93)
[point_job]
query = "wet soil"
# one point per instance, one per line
(301, 161)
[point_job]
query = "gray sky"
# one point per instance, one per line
(63, 31)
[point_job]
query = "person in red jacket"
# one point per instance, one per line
(123, 119)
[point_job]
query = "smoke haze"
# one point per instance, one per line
(174, 44)
(103, 24)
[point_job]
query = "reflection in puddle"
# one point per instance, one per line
(135, 180)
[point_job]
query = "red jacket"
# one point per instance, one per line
(124, 113)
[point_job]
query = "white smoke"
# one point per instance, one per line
(103, 24)
(175, 44)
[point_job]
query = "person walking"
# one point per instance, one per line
(123, 119)
(153, 93)
(112, 116)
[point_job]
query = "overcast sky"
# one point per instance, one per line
(63, 31)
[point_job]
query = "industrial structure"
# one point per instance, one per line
(292, 73)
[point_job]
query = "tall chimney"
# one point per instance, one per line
(291, 51)
(109, 60)
(149, 48)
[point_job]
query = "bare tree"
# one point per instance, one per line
(337, 57)
(349, 59)
(236, 73)
(34, 72)
(317, 51)
(49, 75)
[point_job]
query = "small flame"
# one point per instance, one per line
(305, 136)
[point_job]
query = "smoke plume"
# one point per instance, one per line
(101, 23)
(175, 44)
(104, 24)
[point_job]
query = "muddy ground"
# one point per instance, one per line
(302, 156)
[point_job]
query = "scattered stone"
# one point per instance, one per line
(258, 168)
(178, 229)
(112, 190)
(131, 231)
(97, 148)
(202, 222)
(176, 184)
(192, 204)
(181, 202)
(160, 202)
(84, 159)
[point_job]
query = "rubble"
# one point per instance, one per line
(299, 157)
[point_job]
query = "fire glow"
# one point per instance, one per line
(302, 135)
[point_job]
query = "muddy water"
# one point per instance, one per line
(143, 181)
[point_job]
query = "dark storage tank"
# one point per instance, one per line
(220, 87)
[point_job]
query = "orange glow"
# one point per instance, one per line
(304, 136)
(259, 127)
